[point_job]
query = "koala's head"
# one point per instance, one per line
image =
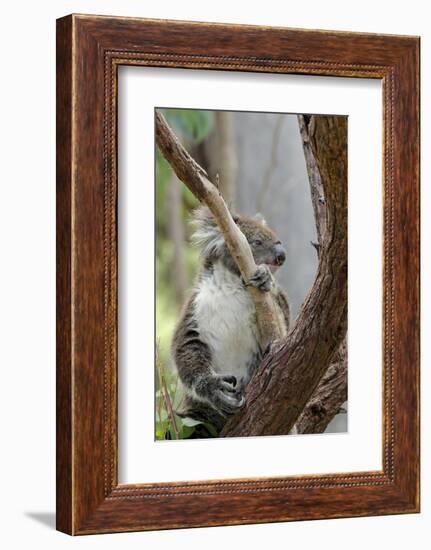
(264, 243)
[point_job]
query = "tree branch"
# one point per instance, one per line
(281, 387)
(328, 397)
(316, 187)
(195, 178)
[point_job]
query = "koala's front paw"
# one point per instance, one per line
(262, 278)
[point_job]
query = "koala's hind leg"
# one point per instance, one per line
(193, 360)
(198, 410)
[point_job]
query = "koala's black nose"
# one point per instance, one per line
(280, 254)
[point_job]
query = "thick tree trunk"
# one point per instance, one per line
(331, 392)
(192, 175)
(281, 387)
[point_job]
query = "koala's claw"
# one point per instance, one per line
(229, 397)
(261, 278)
(227, 384)
(229, 403)
(224, 386)
(223, 392)
(230, 380)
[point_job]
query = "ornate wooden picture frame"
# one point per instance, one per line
(89, 51)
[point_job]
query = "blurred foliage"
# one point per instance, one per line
(191, 127)
(169, 392)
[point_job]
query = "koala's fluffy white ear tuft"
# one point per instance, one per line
(259, 218)
(206, 233)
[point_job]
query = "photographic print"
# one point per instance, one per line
(236, 262)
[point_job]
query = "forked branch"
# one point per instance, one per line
(281, 387)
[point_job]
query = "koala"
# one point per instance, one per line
(216, 346)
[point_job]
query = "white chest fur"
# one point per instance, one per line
(227, 322)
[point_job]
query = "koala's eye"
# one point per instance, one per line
(257, 242)
(277, 242)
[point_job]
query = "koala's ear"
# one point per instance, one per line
(259, 218)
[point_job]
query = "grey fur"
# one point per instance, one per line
(206, 333)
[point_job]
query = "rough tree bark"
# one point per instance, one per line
(285, 381)
(327, 398)
(331, 392)
(192, 175)
(315, 181)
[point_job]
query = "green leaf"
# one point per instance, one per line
(211, 429)
(187, 432)
(172, 433)
(191, 422)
